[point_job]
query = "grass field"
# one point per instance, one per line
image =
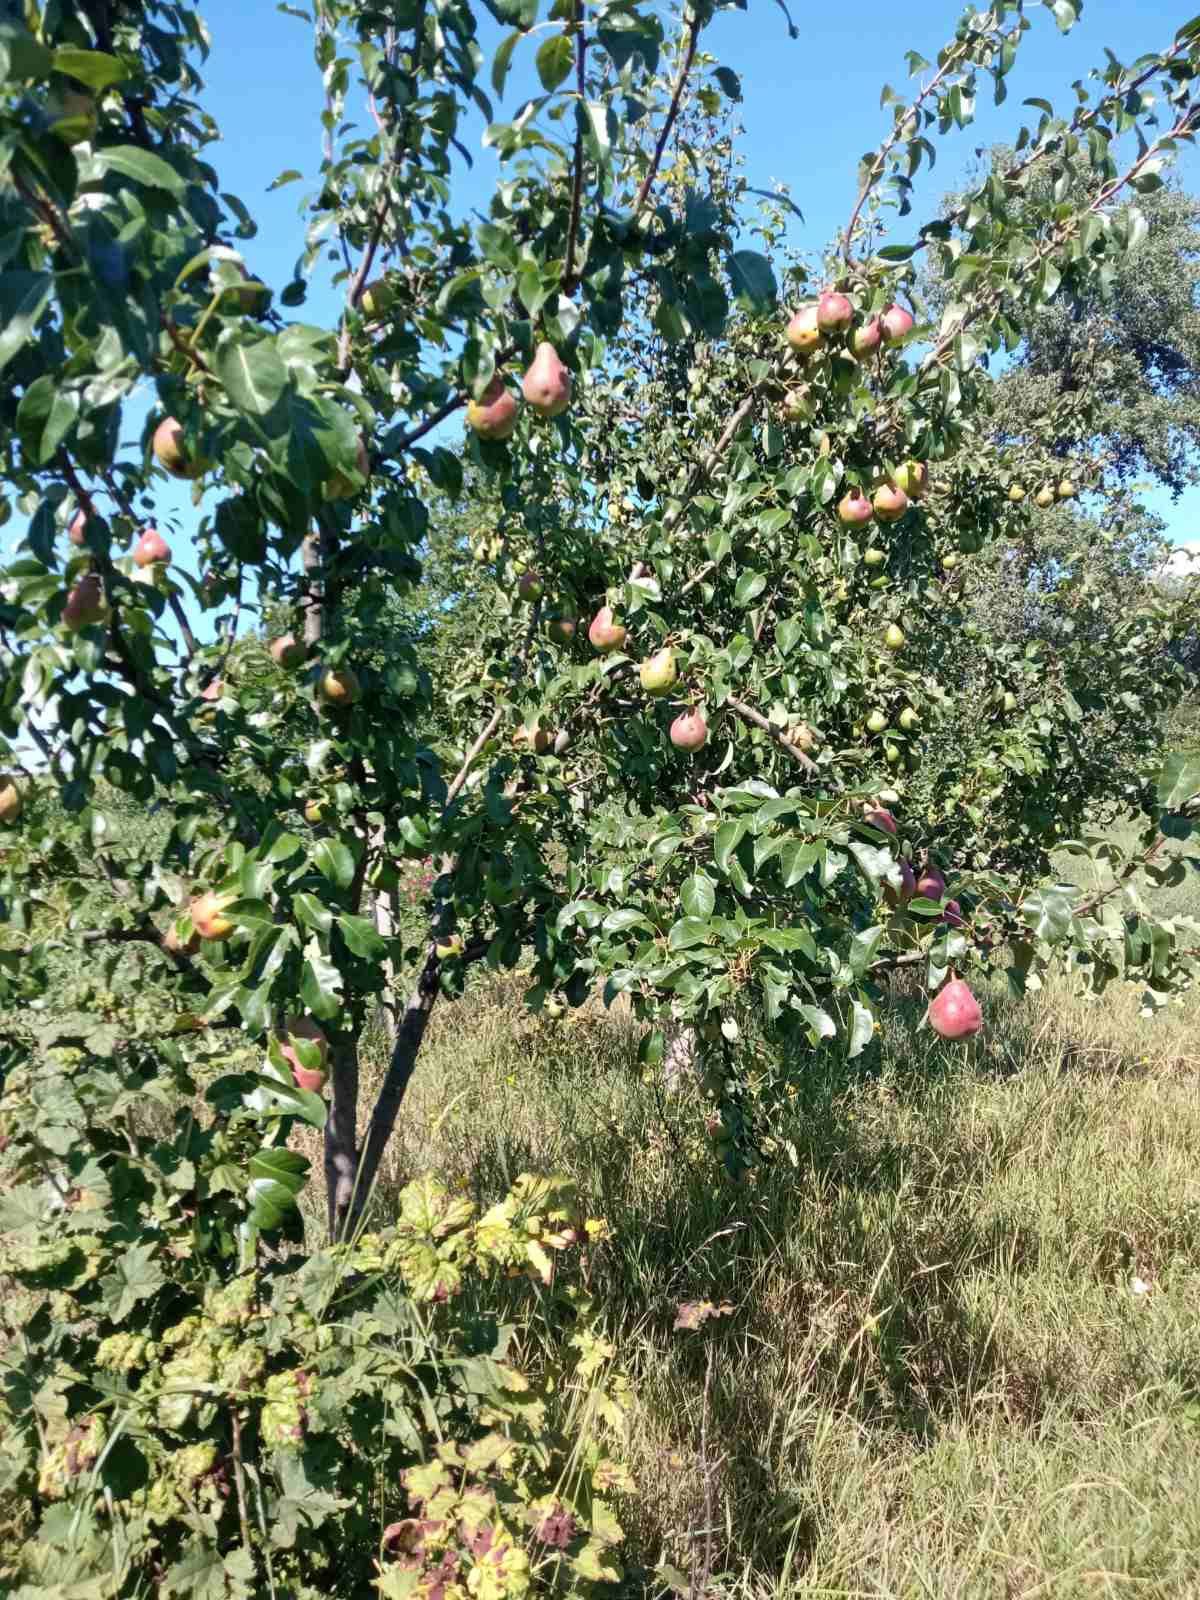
(962, 1357)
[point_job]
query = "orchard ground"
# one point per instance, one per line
(960, 1358)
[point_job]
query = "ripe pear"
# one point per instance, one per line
(562, 629)
(873, 556)
(171, 452)
(658, 673)
(606, 633)
(897, 323)
(150, 549)
(86, 604)
(12, 802)
(452, 945)
(494, 414)
(208, 914)
(1065, 490)
(529, 587)
(536, 740)
(877, 722)
(547, 384)
(1016, 493)
(950, 560)
(879, 817)
(909, 719)
(339, 688)
(866, 337)
(894, 637)
(305, 1030)
(890, 502)
(1044, 497)
(854, 509)
(287, 651)
(913, 478)
(954, 1011)
(931, 885)
(689, 731)
(834, 312)
(908, 883)
(802, 332)
(213, 691)
(377, 298)
(176, 946)
(952, 914)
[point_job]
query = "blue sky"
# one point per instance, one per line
(810, 109)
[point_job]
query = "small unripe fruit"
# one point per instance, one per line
(1016, 493)
(553, 1009)
(802, 333)
(529, 587)
(952, 914)
(562, 630)
(339, 687)
(854, 509)
(897, 323)
(342, 487)
(547, 384)
(658, 673)
(494, 414)
(954, 1012)
(1010, 700)
(913, 478)
(909, 719)
(877, 722)
(873, 556)
(287, 651)
(890, 503)
(313, 811)
(171, 453)
(892, 754)
(150, 549)
(866, 338)
(834, 312)
(689, 731)
(208, 914)
(1065, 490)
(894, 637)
(12, 802)
(377, 298)
(950, 560)
(606, 633)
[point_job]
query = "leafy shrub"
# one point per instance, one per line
(191, 1406)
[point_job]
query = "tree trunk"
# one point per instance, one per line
(341, 1135)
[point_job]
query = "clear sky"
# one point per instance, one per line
(810, 109)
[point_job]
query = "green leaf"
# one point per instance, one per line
(1178, 780)
(253, 375)
(1048, 912)
(729, 835)
(312, 912)
(362, 937)
(748, 587)
(786, 635)
(333, 859)
(752, 279)
(862, 1029)
(698, 896)
(795, 860)
(91, 67)
(45, 416)
(276, 1179)
(23, 298)
(687, 932)
(620, 921)
(554, 60)
(320, 984)
(862, 949)
(141, 166)
(289, 1097)
(136, 1275)
(502, 60)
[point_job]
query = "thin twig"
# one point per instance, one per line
(748, 714)
(568, 278)
(664, 133)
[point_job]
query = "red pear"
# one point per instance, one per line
(606, 633)
(897, 323)
(307, 1031)
(890, 502)
(562, 630)
(882, 819)
(494, 414)
(150, 549)
(854, 509)
(86, 604)
(802, 332)
(287, 651)
(931, 885)
(866, 338)
(954, 1011)
(77, 530)
(12, 801)
(952, 915)
(689, 731)
(908, 886)
(208, 914)
(339, 688)
(834, 312)
(547, 384)
(529, 587)
(214, 690)
(171, 453)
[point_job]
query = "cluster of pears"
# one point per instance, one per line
(546, 388)
(829, 322)
(888, 502)
(1047, 495)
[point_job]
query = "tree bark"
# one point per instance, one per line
(341, 1135)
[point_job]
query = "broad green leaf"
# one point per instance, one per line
(687, 932)
(554, 60)
(729, 835)
(362, 937)
(1179, 780)
(333, 859)
(753, 280)
(253, 375)
(23, 298)
(698, 896)
(141, 166)
(91, 67)
(1048, 912)
(862, 1029)
(276, 1179)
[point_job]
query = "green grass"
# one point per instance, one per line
(963, 1355)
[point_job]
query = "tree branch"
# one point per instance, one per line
(664, 133)
(569, 275)
(756, 718)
